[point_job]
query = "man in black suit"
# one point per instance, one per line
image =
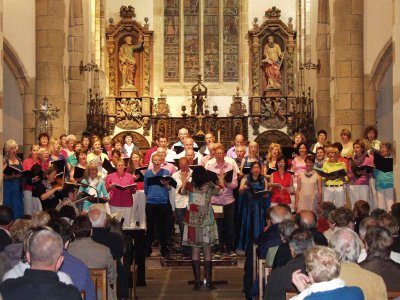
(307, 219)
(6, 220)
(280, 279)
(45, 256)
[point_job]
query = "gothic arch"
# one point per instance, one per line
(26, 90)
(373, 81)
(14, 63)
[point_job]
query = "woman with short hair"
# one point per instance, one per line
(384, 180)
(12, 190)
(359, 179)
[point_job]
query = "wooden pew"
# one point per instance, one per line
(99, 278)
(393, 294)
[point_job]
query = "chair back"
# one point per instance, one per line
(290, 295)
(393, 294)
(99, 278)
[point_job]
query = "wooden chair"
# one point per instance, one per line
(290, 295)
(263, 272)
(393, 294)
(255, 261)
(99, 278)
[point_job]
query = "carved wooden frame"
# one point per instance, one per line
(273, 25)
(115, 35)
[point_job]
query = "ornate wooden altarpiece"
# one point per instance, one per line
(200, 120)
(272, 94)
(130, 51)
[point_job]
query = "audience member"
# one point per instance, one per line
(268, 244)
(340, 217)
(6, 220)
(326, 208)
(360, 211)
(45, 255)
(347, 245)
(279, 280)
(13, 252)
(307, 219)
(378, 245)
(283, 254)
(323, 268)
(72, 266)
(94, 255)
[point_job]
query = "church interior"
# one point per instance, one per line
(263, 69)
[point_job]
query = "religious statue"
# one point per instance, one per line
(199, 105)
(127, 61)
(273, 61)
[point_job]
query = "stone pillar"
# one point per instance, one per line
(323, 76)
(50, 47)
(396, 94)
(76, 80)
(349, 67)
(1, 101)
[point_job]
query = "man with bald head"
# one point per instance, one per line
(182, 134)
(239, 141)
(188, 144)
(268, 244)
(45, 256)
(307, 219)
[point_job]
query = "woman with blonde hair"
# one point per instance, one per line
(95, 186)
(253, 157)
(347, 144)
(71, 140)
(97, 157)
(274, 151)
(12, 191)
(44, 158)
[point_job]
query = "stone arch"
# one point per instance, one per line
(272, 136)
(26, 90)
(373, 82)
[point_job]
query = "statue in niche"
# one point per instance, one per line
(273, 62)
(127, 62)
(199, 105)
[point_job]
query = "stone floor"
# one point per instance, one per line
(172, 283)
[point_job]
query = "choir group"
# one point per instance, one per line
(219, 197)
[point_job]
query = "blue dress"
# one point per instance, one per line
(12, 193)
(253, 211)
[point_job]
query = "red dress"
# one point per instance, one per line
(285, 181)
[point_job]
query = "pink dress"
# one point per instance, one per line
(298, 166)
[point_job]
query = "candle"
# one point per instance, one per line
(219, 136)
